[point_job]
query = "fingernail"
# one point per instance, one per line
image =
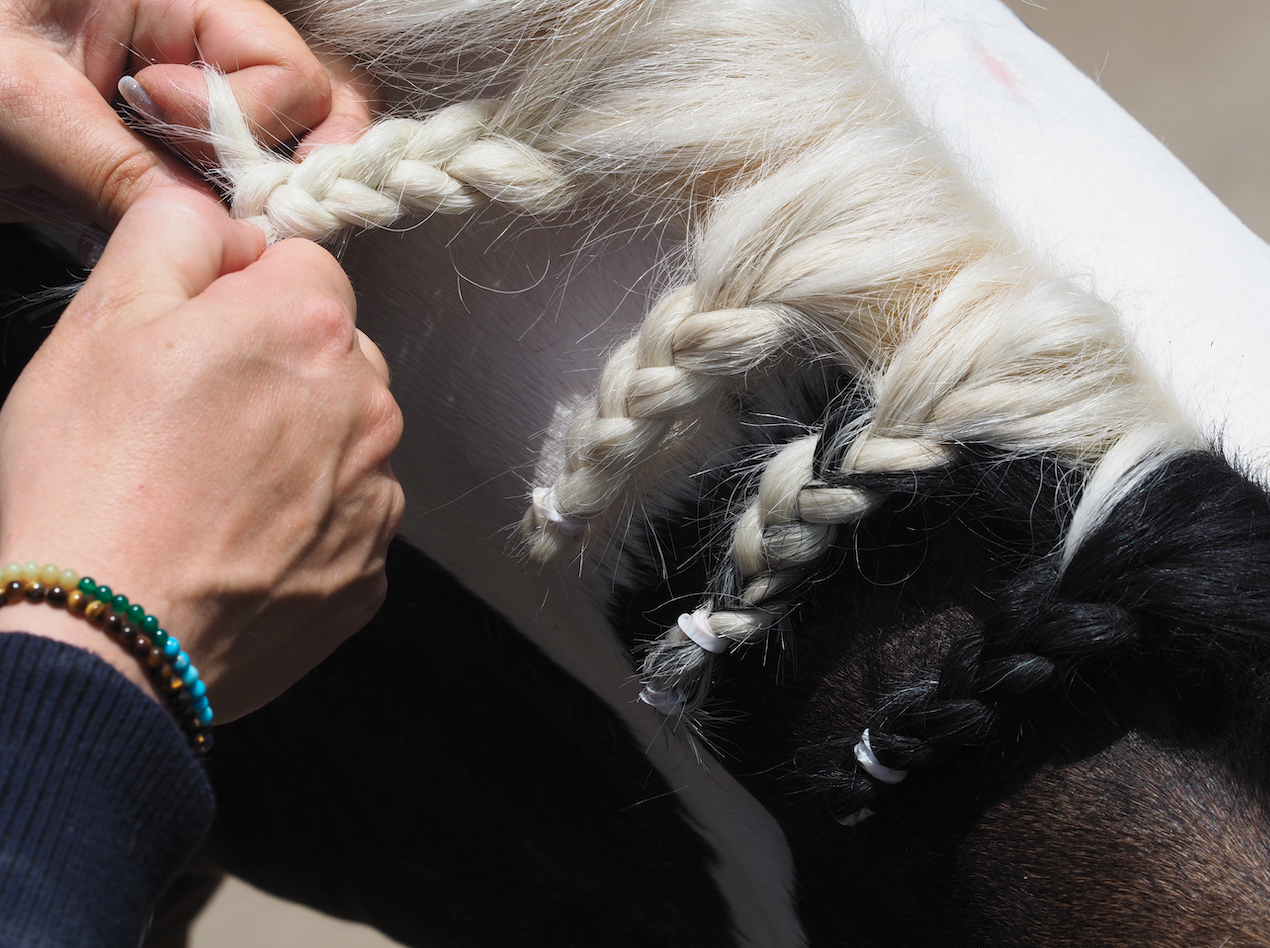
(139, 100)
(92, 242)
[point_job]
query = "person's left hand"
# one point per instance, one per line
(61, 142)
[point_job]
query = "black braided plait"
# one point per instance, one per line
(1180, 570)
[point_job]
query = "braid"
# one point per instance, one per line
(824, 227)
(1176, 572)
(449, 163)
(1002, 357)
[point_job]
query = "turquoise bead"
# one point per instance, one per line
(198, 689)
(87, 586)
(171, 648)
(181, 662)
(150, 625)
(119, 603)
(205, 717)
(104, 593)
(189, 676)
(198, 704)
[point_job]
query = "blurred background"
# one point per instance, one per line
(1197, 75)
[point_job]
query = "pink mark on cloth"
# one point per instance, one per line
(998, 70)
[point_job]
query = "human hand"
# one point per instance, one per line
(206, 432)
(60, 62)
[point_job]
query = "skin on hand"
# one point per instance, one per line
(60, 63)
(206, 431)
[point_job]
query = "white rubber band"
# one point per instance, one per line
(696, 625)
(546, 509)
(859, 816)
(667, 702)
(873, 767)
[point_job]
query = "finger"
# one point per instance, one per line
(355, 100)
(277, 80)
(298, 267)
(59, 134)
(374, 356)
(170, 247)
(294, 299)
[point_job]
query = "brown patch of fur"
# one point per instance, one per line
(1137, 845)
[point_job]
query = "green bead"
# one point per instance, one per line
(119, 603)
(87, 586)
(103, 593)
(149, 624)
(136, 614)
(159, 638)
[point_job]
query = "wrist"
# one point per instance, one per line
(119, 631)
(73, 630)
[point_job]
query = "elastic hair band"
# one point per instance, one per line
(184, 694)
(859, 816)
(696, 625)
(545, 507)
(667, 702)
(872, 766)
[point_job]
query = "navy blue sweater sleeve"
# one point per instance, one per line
(100, 799)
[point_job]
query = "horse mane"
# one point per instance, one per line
(825, 230)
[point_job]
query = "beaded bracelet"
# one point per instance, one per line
(129, 625)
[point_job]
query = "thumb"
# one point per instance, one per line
(170, 247)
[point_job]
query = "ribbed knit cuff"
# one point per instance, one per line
(100, 799)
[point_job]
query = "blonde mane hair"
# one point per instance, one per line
(823, 225)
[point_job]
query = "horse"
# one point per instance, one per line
(800, 549)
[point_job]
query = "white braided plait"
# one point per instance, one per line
(446, 163)
(780, 270)
(1004, 356)
(786, 529)
(682, 360)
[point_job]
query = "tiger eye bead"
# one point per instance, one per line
(35, 592)
(94, 611)
(163, 672)
(14, 590)
(155, 657)
(140, 644)
(175, 683)
(111, 621)
(57, 595)
(76, 601)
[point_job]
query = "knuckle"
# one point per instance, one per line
(298, 94)
(396, 507)
(328, 322)
(386, 424)
(121, 178)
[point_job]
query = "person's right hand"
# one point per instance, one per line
(206, 432)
